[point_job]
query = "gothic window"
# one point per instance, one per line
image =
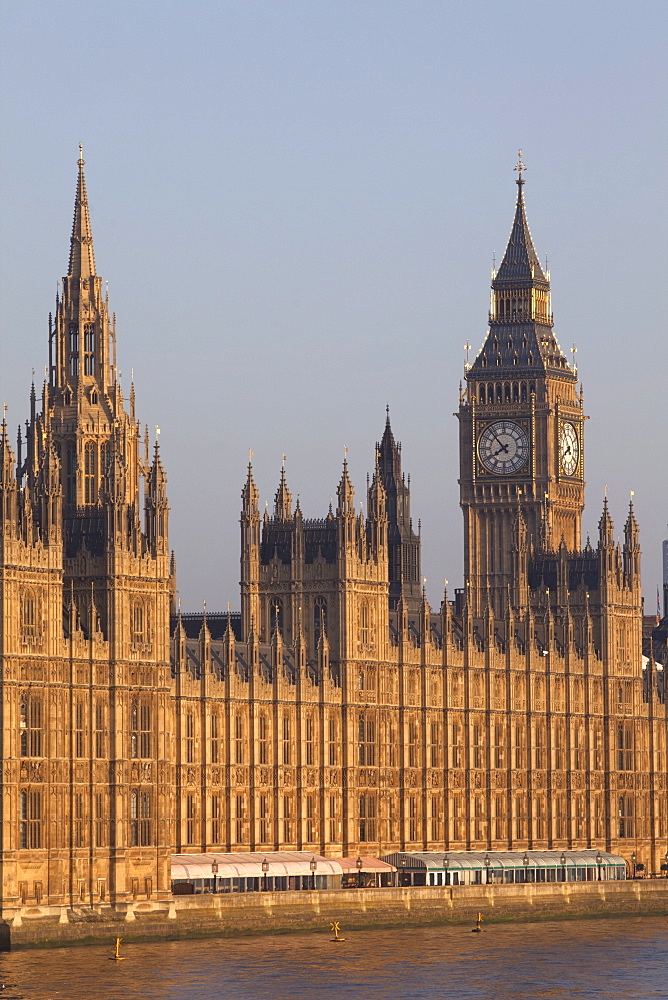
(367, 817)
(79, 818)
(31, 726)
(478, 747)
(310, 825)
(71, 473)
(215, 741)
(482, 394)
(308, 743)
(287, 757)
(499, 817)
(74, 349)
(90, 471)
(287, 825)
(412, 746)
(412, 819)
(100, 821)
(215, 819)
(364, 622)
(624, 747)
(140, 729)
(332, 818)
(319, 617)
(331, 747)
(262, 754)
(435, 818)
(519, 747)
(100, 730)
(367, 741)
(456, 745)
(79, 748)
(139, 623)
(435, 757)
(140, 817)
(30, 822)
(190, 819)
(499, 747)
(239, 813)
(30, 615)
(238, 740)
(89, 349)
(190, 738)
(263, 826)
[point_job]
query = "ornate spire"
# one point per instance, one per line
(520, 261)
(346, 492)
(283, 498)
(605, 525)
(250, 494)
(82, 257)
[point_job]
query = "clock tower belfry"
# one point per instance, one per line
(521, 426)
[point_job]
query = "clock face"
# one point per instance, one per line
(503, 447)
(569, 449)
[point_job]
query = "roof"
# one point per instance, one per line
(368, 865)
(192, 866)
(433, 861)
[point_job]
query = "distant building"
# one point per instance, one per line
(337, 712)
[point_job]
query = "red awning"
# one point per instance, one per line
(369, 865)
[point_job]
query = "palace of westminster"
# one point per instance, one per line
(337, 712)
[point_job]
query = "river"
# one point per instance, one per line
(623, 959)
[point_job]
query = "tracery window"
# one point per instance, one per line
(367, 818)
(30, 723)
(90, 473)
(89, 349)
(140, 729)
(367, 741)
(140, 817)
(30, 821)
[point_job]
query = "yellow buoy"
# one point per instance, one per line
(117, 957)
(477, 929)
(336, 928)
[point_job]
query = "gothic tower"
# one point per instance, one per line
(521, 431)
(403, 542)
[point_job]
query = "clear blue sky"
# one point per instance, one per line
(296, 206)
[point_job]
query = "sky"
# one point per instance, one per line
(297, 205)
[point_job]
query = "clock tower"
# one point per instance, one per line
(521, 427)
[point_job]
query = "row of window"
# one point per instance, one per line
(32, 827)
(32, 735)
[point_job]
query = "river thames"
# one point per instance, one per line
(601, 958)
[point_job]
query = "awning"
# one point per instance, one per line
(195, 866)
(369, 865)
(501, 860)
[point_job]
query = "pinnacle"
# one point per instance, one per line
(82, 257)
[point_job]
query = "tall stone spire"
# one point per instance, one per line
(520, 333)
(283, 498)
(82, 257)
(403, 542)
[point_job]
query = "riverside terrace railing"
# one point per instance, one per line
(506, 867)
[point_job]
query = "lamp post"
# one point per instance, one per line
(446, 866)
(358, 865)
(487, 864)
(214, 872)
(599, 862)
(313, 864)
(402, 867)
(633, 864)
(525, 862)
(563, 866)
(265, 869)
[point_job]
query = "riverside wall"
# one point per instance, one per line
(282, 912)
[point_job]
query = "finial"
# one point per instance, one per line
(81, 159)
(283, 462)
(520, 167)
(574, 351)
(467, 348)
(250, 456)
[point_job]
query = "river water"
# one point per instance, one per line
(623, 959)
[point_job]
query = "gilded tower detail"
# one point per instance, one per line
(336, 712)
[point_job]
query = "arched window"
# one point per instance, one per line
(140, 818)
(89, 349)
(30, 723)
(30, 813)
(90, 470)
(482, 394)
(140, 729)
(74, 349)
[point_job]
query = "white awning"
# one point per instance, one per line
(195, 866)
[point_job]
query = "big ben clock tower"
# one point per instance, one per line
(521, 427)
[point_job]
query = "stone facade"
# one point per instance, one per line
(337, 712)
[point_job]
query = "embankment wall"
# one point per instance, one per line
(282, 912)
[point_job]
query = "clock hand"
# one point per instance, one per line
(504, 447)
